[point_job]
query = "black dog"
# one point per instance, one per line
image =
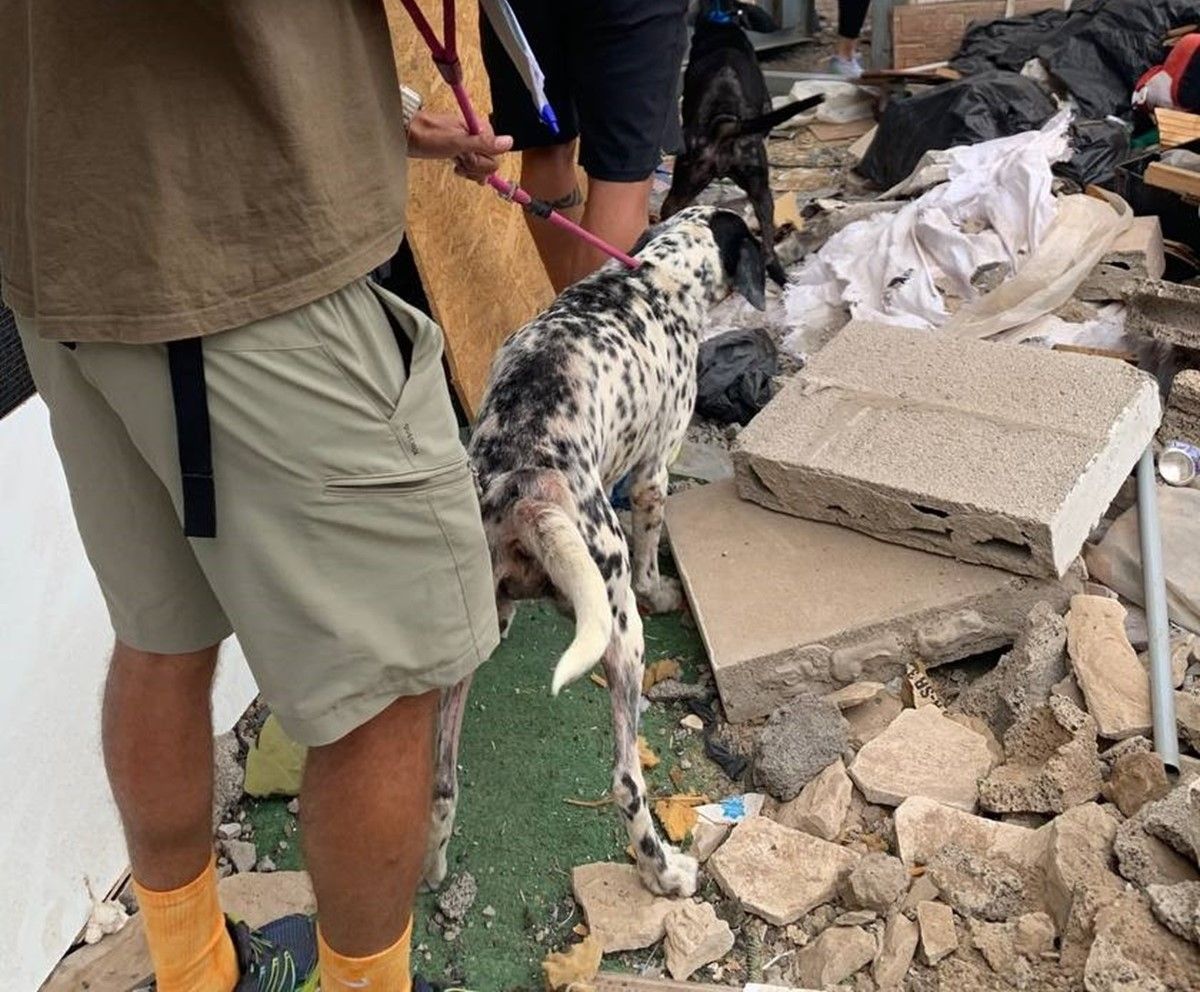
(727, 115)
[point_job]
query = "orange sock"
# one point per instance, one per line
(387, 971)
(191, 949)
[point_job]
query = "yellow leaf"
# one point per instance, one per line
(574, 967)
(649, 758)
(658, 672)
(677, 818)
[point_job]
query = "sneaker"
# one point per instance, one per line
(851, 68)
(280, 957)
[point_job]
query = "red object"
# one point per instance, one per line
(1160, 86)
(445, 57)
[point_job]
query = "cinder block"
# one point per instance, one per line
(1137, 254)
(788, 606)
(998, 454)
(1166, 311)
(1181, 422)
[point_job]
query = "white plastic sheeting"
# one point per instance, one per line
(58, 826)
(986, 208)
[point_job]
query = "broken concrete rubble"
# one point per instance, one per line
(1009, 947)
(1181, 421)
(924, 827)
(870, 719)
(1132, 953)
(834, 956)
(1175, 820)
(989, 887)
(1052, 763)
(1177, 908)
(695, 936)
(1137, 254)
(241, 854)
(1078, 879)
(1113, 682)
(938, 937)
(621, 912)
(1136, 779)
(1024, 677)
(1165, 311)
(896, 951)
(900, 434)
(779, 873)
(1146, 860)
(821, 807)
(922, 753)
(706, 838)
(878, 882)
(867, 607)
(797, 744)
(1187, 718)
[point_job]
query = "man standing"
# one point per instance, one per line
(613, 69)
(256, 438)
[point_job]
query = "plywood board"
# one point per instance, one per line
(476, 259)
(1176, 127)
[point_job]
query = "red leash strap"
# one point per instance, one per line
(445, 57)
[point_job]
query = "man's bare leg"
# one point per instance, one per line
(365, 808)
(549, 174)
(616, 212)
(158, 749)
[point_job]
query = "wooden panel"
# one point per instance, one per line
(1176, 127)
(473, 251)
(1173, 178)
(925, 33)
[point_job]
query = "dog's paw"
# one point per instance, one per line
(665, 597)
(678, 879)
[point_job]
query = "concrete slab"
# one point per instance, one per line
(1165, 311)
(999, 454)
(788, 606)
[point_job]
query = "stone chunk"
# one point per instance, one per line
(1106, 667)
(896, 952)
(870, 719)
(989, 887)
(1187, 718)
(1146, 860)
(1009, 947)
(1078, 880)
(822, 805)
(922, 753)
(241, 854)
(834, 956)
(996, 454)
(1176, 820)
(1165, 311)
(1136, 779)
(1052, 763)
(779, 873)
(938, 937)
(877, 882)
(1132, 953)
(924, 827)
(797, 744)
(622, 913)
(1181, 421)
(1177, 908)
(1137, 254)
(1022, 679)
(706, 838)
(867, 607)
(695, 936)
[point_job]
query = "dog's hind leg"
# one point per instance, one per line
(663, 869)
(648, 494)
(752, 175)
(445, 787)
(690, 174)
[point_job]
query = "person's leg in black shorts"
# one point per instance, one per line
(612, 76)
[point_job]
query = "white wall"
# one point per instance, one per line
(58, 825)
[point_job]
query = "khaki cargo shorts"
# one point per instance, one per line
(349, 558)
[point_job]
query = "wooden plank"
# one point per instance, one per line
(1176, 127)
(1173, 178)
(610, 982)
(841, 132)
(474, 254)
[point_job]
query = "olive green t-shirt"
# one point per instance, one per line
(170, 168)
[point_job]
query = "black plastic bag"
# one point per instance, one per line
(733, 375)
(966, 112)
(1006, 43)
(1099, 147)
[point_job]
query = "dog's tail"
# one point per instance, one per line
(766, 123)
(549, 534)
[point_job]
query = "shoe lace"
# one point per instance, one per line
(262, 959)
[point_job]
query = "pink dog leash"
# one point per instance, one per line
(445, 57)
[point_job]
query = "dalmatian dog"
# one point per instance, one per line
(599, 387)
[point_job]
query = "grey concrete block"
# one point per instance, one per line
(998, 454)
(1136, 254)
(1165, 311)
(788, 606)
(1181, 422)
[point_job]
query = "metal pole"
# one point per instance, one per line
(1162, 698)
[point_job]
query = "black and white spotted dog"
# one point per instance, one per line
(600, 386)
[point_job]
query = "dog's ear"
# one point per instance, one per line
(751, 17)
(741, 257)
(644, 239)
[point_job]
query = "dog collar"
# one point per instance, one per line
(717, 14)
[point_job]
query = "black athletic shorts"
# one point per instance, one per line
(613, 70)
